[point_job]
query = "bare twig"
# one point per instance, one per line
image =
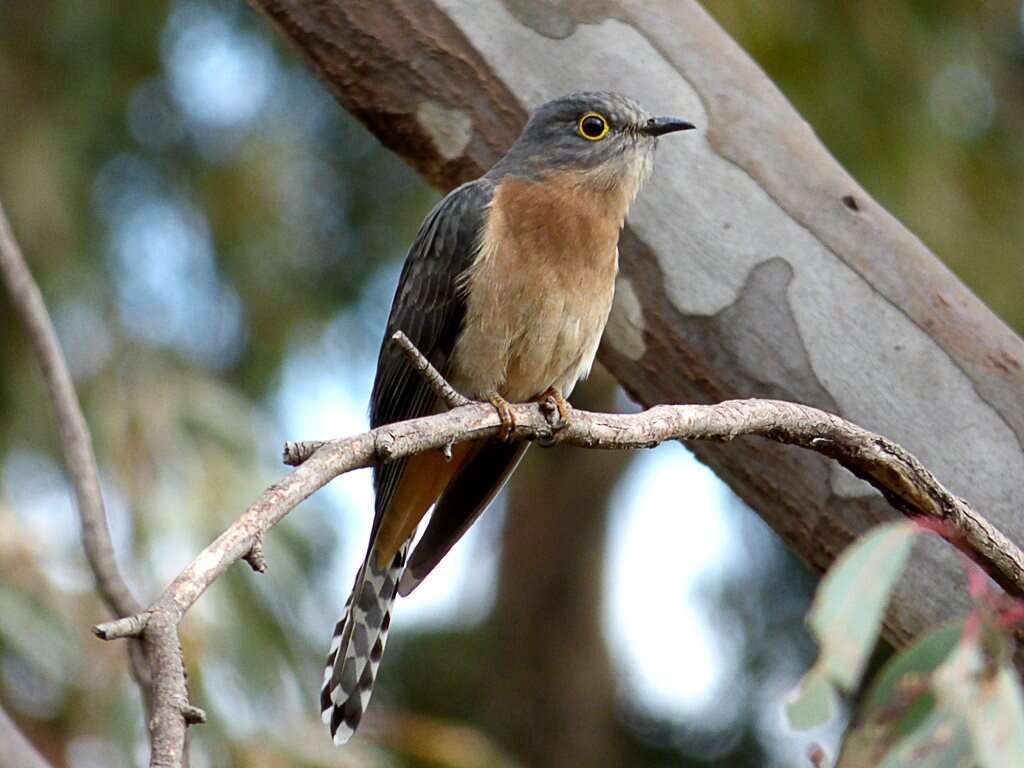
(130, 626)
(897, 474)
(75, 439)
(256, 559)
(452, 397)
(16, 750)
(296, 453)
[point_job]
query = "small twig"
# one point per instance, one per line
(76, 441)
(452, 397)
(78, 455)
(255, 557)
(897, 474)
(296, 453)
(130, 626)
(192, 715)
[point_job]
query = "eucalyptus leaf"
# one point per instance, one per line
(899, 700)
(980, 686)
(996, 720)
(846, 616)
(942, 741)
(815, 701)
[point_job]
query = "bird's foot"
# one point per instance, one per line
(508, 421)
(555, 407)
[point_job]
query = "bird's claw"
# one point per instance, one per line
(556, 408)
(508, 421)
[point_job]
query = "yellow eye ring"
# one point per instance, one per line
(592, 126)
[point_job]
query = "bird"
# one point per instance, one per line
(506, 290)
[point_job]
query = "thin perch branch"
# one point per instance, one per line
(76, 441)
(78, 455)
(296, 453)
(451, 396)
(904, 481)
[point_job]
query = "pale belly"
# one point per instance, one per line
(540, 289)
(527, 330)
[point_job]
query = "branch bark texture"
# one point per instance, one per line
(752, 264)
(896, 473)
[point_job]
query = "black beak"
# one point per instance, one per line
(657, 126)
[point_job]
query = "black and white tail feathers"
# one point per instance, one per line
(358, 644)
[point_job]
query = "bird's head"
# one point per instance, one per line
(607, 138)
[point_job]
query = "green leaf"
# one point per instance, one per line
(923, 657)
(815, 702)
(899, 700)
(890, 686)
(847, 611)
(982, 688)
(996, 721)
(941, 742)
(847, 616)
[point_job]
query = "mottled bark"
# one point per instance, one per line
(753, 265)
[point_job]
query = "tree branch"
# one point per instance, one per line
(752, 265)
(900, 477)
(437, 382)
(897, 474)
(75, 440)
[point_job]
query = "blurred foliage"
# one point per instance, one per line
(846, 618)
(218, 241)
(953, 698)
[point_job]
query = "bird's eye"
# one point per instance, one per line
(592, 127)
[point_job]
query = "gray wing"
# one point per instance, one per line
(474, 486)
(429, 308)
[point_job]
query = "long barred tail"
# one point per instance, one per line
(358, 644)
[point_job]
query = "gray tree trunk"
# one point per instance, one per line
(752, 265)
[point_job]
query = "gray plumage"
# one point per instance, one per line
(429, 309)
(506, 290)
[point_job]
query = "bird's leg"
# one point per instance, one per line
(551, 401)
(508, 421)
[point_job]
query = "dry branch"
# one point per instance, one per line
(900, 477)
(752, 264)
(664, 343)
(76, 442)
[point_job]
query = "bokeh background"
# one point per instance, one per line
(218, 242)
